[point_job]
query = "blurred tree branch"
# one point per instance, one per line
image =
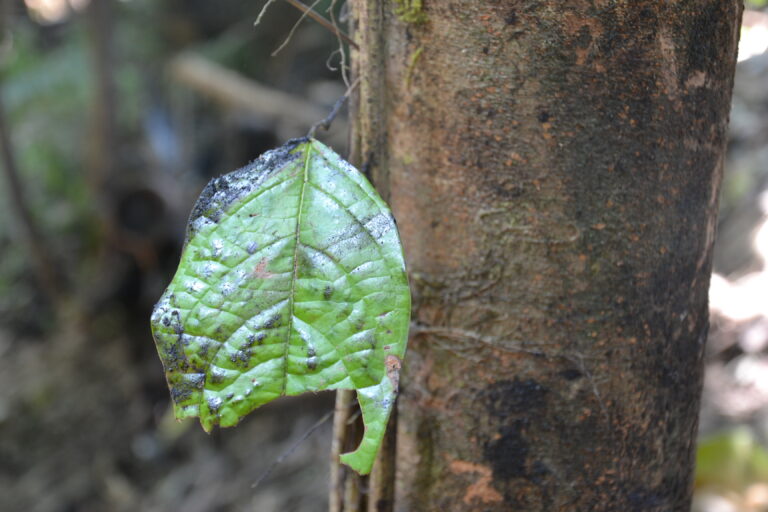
(309, 11)
(42, 263)
(234, 90)
(102, 149)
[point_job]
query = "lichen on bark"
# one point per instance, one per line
(410, 11)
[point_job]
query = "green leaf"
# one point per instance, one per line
(292, 279)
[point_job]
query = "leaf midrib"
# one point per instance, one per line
(291, 297)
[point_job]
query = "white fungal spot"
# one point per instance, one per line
(200, 223)
(378, 226)
(226, 288)
(217, 245)
(194, 286)
(206, 270)
(214, 403)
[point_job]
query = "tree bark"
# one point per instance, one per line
(555, 169)
(368, 133)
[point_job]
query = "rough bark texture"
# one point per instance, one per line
(555, 170)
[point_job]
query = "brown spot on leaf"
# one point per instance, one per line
(261, 270)
(393, 365)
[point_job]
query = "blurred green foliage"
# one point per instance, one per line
(45, 94)
(731, 461)
(48, 92)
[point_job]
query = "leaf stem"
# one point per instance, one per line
(325, 124)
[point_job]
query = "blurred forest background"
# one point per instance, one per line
(114, 114)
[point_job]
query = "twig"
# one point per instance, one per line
(354, 492)
(342, 53)
(329, 60)
(293, 447)
(325, 124)
(263, 11)
(340, 419)
(296, 25)
(381, 483)
(308, 11)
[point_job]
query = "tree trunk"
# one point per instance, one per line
(555, 169)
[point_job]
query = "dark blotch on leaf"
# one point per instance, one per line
(273, 322)
(240, 358)
(215, 215)
(217, 377)
(197, 381)
(224, 190)
(177, 327)
(327, 292)
(214, 403)
(174, 359)
(205, 346)
(180, 393)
